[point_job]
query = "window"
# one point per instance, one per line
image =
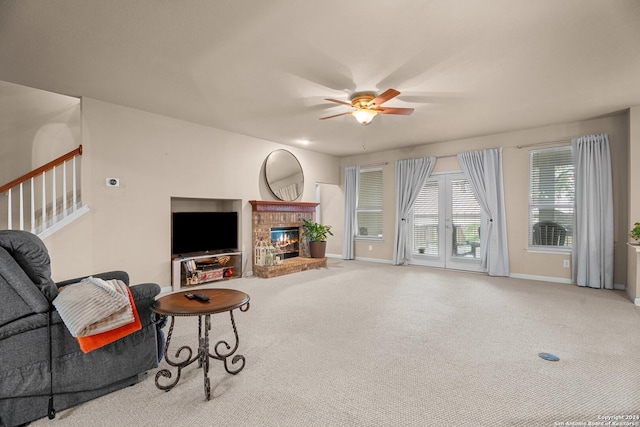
(426, 220)
(466, 217)
(369, 208)
(551, 196)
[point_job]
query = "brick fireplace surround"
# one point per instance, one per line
(270, 213)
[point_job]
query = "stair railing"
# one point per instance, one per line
(46, 214)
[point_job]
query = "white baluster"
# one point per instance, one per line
(33, 206)
(44, 200)
(54, 196)
(75, 196)
(64, 188)
(9, 216)
(21, 208)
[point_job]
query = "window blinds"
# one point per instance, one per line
(551, 192)
(369, 210)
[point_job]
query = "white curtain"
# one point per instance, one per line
(593, 215)
(411, 174)
(483, 170)
(351, 178)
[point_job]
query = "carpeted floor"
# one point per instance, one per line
(365, 344)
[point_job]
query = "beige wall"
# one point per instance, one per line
(331, 197)
(37, 127)
(157, 158)
(633, 271)
(516, 169)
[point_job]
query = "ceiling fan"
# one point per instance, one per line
(366, 106)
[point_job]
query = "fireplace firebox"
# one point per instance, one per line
(286, 241)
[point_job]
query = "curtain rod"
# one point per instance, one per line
(373, 165)
(533, 144)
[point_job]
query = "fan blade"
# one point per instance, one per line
(335, 115)
(338, 101)
(402, 111)
(383, 97)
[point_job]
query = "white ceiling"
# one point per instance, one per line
(263, 68)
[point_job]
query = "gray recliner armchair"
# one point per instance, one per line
(33, 338)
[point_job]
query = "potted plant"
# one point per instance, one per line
(317, 235)
(635, 233)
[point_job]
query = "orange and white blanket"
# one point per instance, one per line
(97, 311)
(93, 306)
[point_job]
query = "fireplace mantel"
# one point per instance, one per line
(281, 206)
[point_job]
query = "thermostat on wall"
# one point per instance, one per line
(112, 182)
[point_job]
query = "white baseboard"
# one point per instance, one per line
(382, 261)
(378, 260)
(635, 300)
(540, 278)
(616, 286)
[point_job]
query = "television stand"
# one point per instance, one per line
(198, 269)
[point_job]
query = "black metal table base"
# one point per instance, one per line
(185, 356)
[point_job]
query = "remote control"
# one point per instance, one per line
(201, 297)
(189, 295)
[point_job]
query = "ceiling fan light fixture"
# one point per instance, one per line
(367, 105)
(364, 115)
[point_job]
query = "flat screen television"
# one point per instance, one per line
(203, 231)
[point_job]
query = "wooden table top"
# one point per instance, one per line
(220, 300)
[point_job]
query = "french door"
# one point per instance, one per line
(446, 224)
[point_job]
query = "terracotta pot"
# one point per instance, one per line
(317, 249)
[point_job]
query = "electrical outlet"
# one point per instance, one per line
(370, 247)
(565, 263)
(112, 182)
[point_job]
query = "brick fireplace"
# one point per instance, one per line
(270, 214)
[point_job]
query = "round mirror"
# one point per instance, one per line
(284, 175)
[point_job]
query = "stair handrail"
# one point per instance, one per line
(44, 168)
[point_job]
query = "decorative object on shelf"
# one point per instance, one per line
(284, 176)
(635, 233)
(317, 235)
(191, 273)
(209, 275)
(260, 253)
(193, 280)
(223, 260)
(270, 256)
